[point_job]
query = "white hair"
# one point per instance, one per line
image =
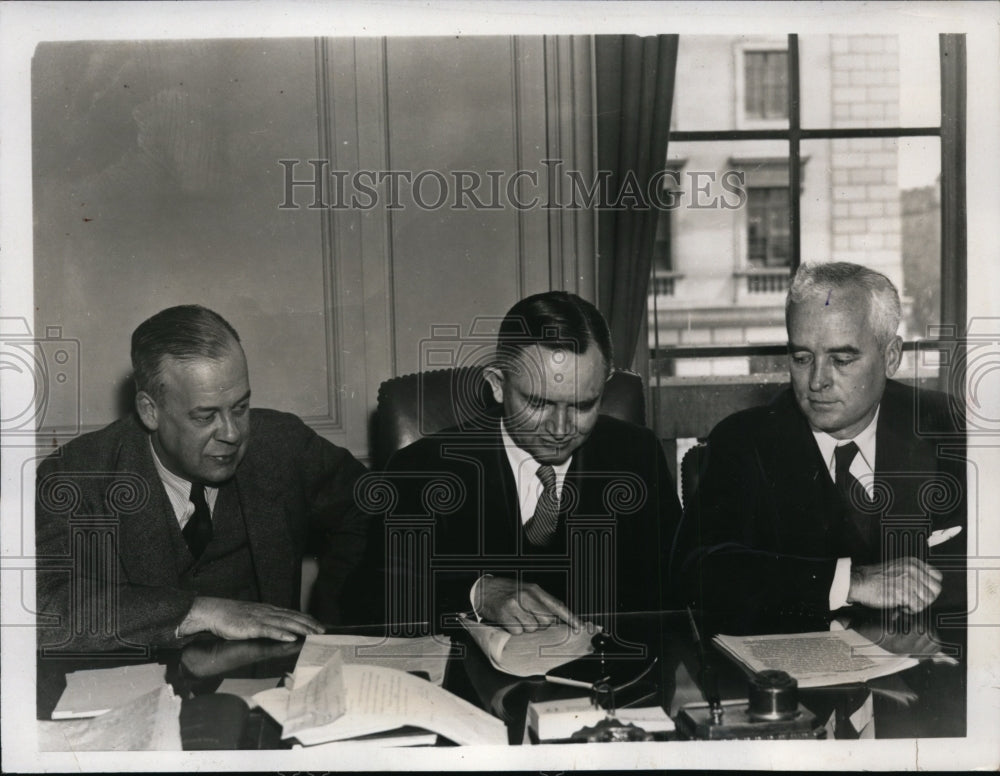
(817, 278)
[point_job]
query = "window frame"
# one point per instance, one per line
(951, 132)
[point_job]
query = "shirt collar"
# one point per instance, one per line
(178, 489)
(865, 441)
(170, 480)
(523, 464)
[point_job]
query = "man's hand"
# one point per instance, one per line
(246, 620)
(907, 583)
(519, 608)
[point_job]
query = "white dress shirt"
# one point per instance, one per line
(863, 469)
(525, 470)
(179, 491)
(529, 487)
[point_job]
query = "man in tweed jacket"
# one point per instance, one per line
(192, 515)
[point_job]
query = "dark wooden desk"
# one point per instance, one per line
(208, 720)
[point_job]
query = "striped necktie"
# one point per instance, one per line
(542, 525)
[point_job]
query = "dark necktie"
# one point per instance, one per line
(860, 524)
(198, 530)
(542, 525)
(845, 455)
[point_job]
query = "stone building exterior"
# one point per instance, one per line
(721, 265)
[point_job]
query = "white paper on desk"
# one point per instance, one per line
(379, 699)
(815, 659)
(94, 692)
(150, 722)
(428, 654)
(535, 653)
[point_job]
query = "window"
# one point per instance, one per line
(884, 186)
(768, 234)
(765, 93)
(672, 192)
(662, 277)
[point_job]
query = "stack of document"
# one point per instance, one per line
(815, 659)
(342, 700)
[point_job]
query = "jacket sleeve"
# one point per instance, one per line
(729, 553)
(85, 600)
(434, 510)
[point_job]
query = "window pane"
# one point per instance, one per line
(730, 82)
(876, 201)
(869, 80)
(768, 230)
(765, 80)
(730, 195)
(776, 85)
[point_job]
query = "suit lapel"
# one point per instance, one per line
(790, 462)
(146, 541)
(271, 547)
(501, 510)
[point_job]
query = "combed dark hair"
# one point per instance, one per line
(816, 278)
(183, 332)
(553, 319)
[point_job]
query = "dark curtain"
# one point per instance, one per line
(635, 90)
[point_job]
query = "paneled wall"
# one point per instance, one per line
(170, 172)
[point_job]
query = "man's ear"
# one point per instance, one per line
(494, 376)
(149, 413)
(893, 355)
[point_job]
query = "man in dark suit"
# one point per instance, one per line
(194, 514)
(848, 489)
(551, 510)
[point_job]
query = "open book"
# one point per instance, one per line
(531, 654)
(815, 659)
(345, 701)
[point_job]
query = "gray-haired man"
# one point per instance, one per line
(818, 500)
